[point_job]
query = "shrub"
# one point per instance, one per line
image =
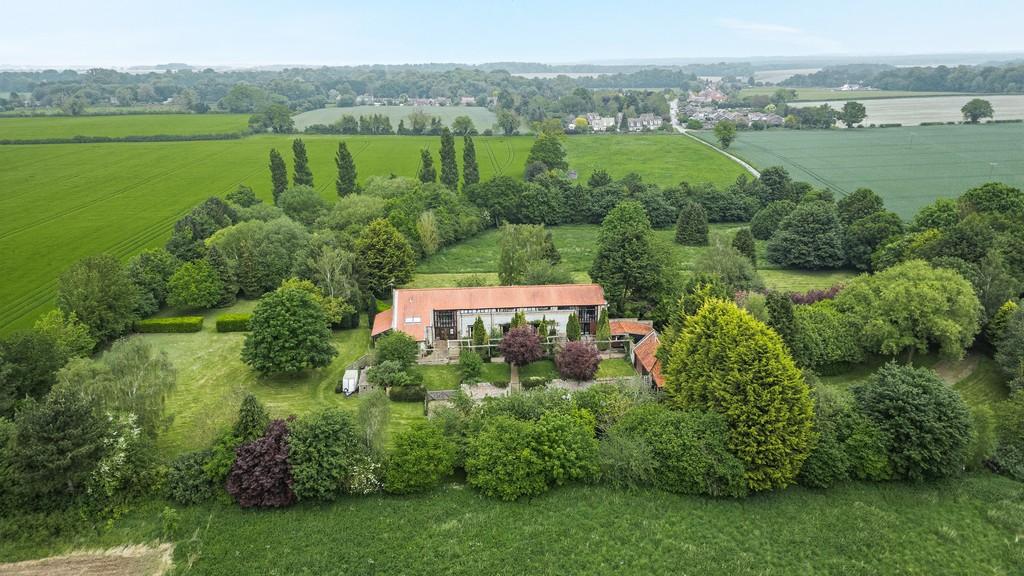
(398, 347)
(609, 402)
(187, 482)
(983, 439)
(322, 448)
(261, 475)
(824, 340)
(926, 425)
(627, 462)
(1009, 455)
(470, 366)
(233, 322)
(502, 461)
(534, 382)
(170, 325)
(689, 449)
(566, 445)
(391, 374)
(421, 457)
(412, 393)
(521, 345)
(744, 243)
(577, 361)
(727, 362)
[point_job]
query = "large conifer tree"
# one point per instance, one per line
(692, 226)
(470, 170)
(449, 166)
(346, 183)
(278, 173)
(302, 176)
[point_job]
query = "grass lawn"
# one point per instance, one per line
(541, 368)
(43, 127)
(970, 525)
(615, 368)
(908, 167)
(664, 159)
(577, 244)
(447, 376)
(212, 381)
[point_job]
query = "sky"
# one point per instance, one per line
(122, 33)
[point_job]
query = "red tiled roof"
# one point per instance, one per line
(645, 353)
(381, 322)
(631, 327)
(420, 303)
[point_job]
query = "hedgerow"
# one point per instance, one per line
(170, 325)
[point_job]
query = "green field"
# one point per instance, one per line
(66, 201)
(664, 159)
(41, 128)
(62, 202)
(908, 167)
(578, 246)
(807, 94)
(914, 111)
(969, 525)
(482, 117)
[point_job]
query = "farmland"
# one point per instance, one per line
(67, 201)
(811, 94)
(913, 111)
(908, 167)
(482, 117)
(41, 128)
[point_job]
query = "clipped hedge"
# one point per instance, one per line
(535, 382)
(171, 325)
(410, 393)
(233, 322)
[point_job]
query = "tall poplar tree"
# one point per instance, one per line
(470, 170)
(278, 173)
(302, 176)
(427, 172)
(346, 183)
(449, 167)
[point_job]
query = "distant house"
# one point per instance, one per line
(467, 101)
(707, 96)
(600, 123)
(645, 121)
(433, 314)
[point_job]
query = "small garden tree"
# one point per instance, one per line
(397, 347)
(261, 475)
(427, 172)
(728, 362)
(573, 331)
(692, 225)
(577, 361)
(926, 424)
(604, 330)
(481, 340)
(725, 132)
(288, 333)
(743, 242)
(520, 346)
(194, 286)
(322, 449)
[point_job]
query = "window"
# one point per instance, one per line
(413, 320)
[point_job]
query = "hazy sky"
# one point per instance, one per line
(212, 32)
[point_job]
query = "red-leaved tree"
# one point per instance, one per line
(261, 475)
(521, 346)
(577, 361)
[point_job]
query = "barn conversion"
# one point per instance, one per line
(429, 314)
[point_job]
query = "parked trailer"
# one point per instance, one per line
(350, 382)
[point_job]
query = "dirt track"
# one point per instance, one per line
(136, 560)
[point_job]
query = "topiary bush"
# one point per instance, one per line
(421, 457)
(187, 482)
(577, 361)
(170, 325)
(926, 425)
(233, 322)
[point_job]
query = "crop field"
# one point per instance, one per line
(41, 128)
(908, 167)
(482, 117)
(664, 159)
(968, 525)
(577, 244)
(66, 201)
(810, 94)
(913, 111)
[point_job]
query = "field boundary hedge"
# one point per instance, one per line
(171, 325)
(110, 139)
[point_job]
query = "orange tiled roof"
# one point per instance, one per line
(631, 327)
(413, 308)
(645, 352)
(381, 322)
